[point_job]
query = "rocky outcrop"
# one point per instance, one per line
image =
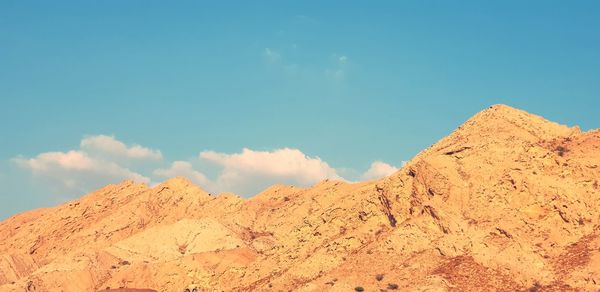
(508, 201)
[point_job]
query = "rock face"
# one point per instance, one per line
(509, 201)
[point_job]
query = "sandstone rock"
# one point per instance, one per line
(509, 201)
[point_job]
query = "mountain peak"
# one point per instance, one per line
(499, 121)
(178, 181)
(506, 112)
(507, 124)
(181, 184)
(500, 126)
(502, 107)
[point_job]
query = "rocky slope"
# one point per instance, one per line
(509, 201)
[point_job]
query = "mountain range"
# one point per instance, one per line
(508, 201)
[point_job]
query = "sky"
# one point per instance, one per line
(238, 95)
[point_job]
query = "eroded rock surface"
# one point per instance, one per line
(509, 201)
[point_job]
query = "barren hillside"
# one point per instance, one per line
(508, 201)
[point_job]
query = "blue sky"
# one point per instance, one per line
(310, 89)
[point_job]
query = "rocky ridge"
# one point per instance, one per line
(508, 201)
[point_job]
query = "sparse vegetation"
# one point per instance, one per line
(379, 277)
(535, 287)
(392, 286)
(359, 289)
(561, 150)
(182, 248)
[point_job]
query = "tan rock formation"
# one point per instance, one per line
(509, 201)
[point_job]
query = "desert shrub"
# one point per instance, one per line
(379, 277)
(535, 287)
(561, 150)
(359, 289)
(392, 286)
(182, 248)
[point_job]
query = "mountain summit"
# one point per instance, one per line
(508, 201)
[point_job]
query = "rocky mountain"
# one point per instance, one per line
(508, 201)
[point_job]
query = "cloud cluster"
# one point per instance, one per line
(335, 70)
(97, 162)
(76, 170)
(338, 68)
(102, 159)
(379, 169)
(250, 171)
(111, 146)
(272, 56)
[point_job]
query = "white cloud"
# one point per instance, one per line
(379, 169)
(184, 168)
(271, 55)
(111, 146)
(100, 160)
(338, 68)
(76, 171)
(337, 75)
(251, 171)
